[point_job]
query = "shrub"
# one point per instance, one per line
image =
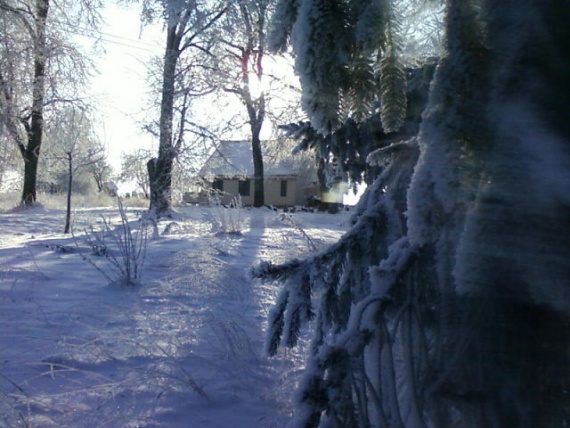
(123, 248)
(227, 219)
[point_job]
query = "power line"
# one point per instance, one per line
(129, 43)
(126, 45)
(95, 34)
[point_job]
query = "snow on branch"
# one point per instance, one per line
(339, 276)
(359, 294)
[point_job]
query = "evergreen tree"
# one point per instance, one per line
(342, 154)
(447, 303)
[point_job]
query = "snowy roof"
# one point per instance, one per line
(235, 159)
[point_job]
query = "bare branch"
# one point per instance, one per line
(190, 39)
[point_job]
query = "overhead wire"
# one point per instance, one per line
(96, 35)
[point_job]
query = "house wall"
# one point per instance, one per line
(272, 192)
(231, 190)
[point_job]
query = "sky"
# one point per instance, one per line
(119, 88)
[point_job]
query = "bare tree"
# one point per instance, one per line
(194, 129)
(34, 22)
(75, 146)
(188, 26)
(133, 169)
(101, 172)
(32, 53)
(245, 45)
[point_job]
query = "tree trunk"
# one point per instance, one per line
(160, 184)
(69, 190)
(150, 167)
(99, 181)
(258, 174)
(254, 50)
(161, 177)
(35, 130)
(256, 113)
(30, 177)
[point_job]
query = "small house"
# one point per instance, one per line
(288, 180)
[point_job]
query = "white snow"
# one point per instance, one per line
(184, 349)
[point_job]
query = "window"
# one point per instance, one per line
(218, 185)
(283, 188)
(244, 186)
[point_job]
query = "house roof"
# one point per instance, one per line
(234, 159)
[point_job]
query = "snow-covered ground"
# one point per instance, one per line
(183, 349)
